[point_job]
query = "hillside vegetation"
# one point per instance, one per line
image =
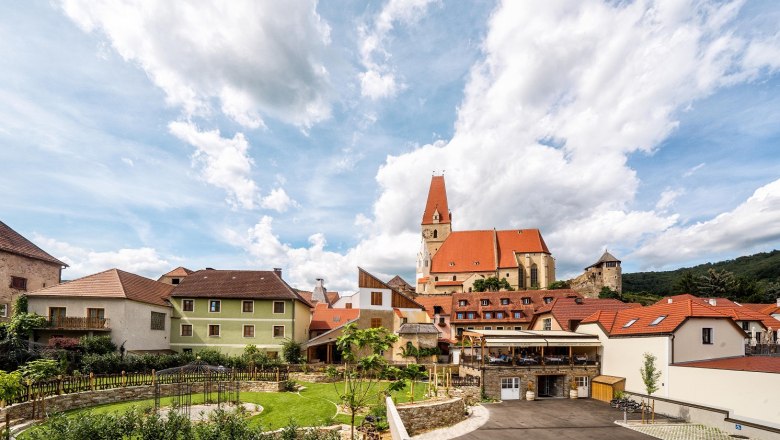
(753, 278)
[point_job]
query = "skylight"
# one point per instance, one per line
(630, 323)
(658, 320)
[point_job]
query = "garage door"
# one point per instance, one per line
(510, 388)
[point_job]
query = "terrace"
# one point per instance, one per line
(76, 323)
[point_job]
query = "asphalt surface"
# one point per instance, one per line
(555, 419)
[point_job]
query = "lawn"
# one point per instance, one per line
(314, 405)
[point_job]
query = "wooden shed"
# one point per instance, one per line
(605, 387)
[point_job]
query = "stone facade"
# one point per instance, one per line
(604, 273)
(425, 416)
(491, 378)
(313, 377)
(38, 273)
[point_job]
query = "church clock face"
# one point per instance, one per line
(427, 233)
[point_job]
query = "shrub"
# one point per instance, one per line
(292, 351)
(97, 344)
(40, 370)
(63, 343)
(102, 363)
(10, 385)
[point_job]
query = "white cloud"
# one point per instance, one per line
(667, 198)
(224, 163)
(142, 261)
(278, 200)
(754, 222)
(690, 172)
(378, 80)
(254, 58)
(128, 161)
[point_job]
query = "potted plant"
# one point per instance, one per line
(573, 394)
(529, 393)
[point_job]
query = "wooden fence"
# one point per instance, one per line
(93, 382)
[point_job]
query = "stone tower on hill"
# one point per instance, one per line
(604, 273)
(450, 261)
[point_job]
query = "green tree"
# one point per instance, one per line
(292, 351)
(650, 375)
(491, 284)
(10, 385)
(560, 284)
(687, 283)
(365, 366)
(415, 373)
(40, 370)
(716, 283)
(606, 292)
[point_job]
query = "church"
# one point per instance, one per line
(451, 261)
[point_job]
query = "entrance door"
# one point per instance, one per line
(582, 386)
(550, 386)
(510, 388)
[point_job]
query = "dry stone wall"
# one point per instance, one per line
(425, 416)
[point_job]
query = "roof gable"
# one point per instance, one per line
(239, 284)
(437, 201)
(398, 299)
(13, 242)
(565, 310)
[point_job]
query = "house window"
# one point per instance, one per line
(518, 315)
(504, 301)
(175, 281)
(441, 320)
(485, 302)
(745, 326)
(19, 283)
(348, 305)
(488, 315)
(518, 328)
(499, 328)
(376, 322)
(462, 303)
(186, 350)
(499, 315)
(611, 263)
(526, 301)
(95, 314)
(459, 331)
(470, 315)
(630, 323)
(488, 328)
(454, 278)
(186, 330)
(278, 307)
(437, 310)
(436, 278)
(658, 320)
(404, 320)
(376, 298)
(278, 331)
(57, 315)
(547, 324)
(459, 315)
(249, 331)
(547, 299)
(248, 306)
(214, 330)
(3, 310)
(158, 321)
(215, 306)
(706, 336)
(187, 305)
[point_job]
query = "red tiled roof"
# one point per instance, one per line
(399, 283)
(767, 309)
(718, 302)
(245, 284)
(112, 283)
(738, 312)
(676, 313)
(476, 251)
(180, 271)
(565, 310)
(430, 301)
(515, 297)
(763, 364)
(13, 242)
(398, 312)
(437, 200)
(423, 280)
(325, 318)
(332, 297)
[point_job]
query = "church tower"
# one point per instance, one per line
(436, 221)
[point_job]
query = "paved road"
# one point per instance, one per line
(553, 419)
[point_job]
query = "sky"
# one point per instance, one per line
(147, 135)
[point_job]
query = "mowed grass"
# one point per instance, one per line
(314, 405)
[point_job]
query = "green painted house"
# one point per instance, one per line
(230, 309)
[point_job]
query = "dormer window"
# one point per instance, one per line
(485, 302)
(526, 301)
(504, 301)
(462, 303)
(547, 299)
(488, 315)
(476, 263)
(658, 320)
(437, 310)
(452, 263)
(630, 323)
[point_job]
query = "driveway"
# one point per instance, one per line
(554, 419)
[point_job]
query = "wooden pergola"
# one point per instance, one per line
(513, 339)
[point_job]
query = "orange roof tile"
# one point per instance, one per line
(515, 297)
(178, 272)
(738, 312)
(324, 318)
(565, 310)
(112, 283)
(676, 313)
(437, 200)
(431, 301)
(764, 364)
(476, 251)
(13, 242)
(712, 302)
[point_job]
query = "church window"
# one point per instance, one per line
(435, 278)
(453, 278)
(435, 233)
(534, 276)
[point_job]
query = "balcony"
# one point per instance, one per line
(77, 323)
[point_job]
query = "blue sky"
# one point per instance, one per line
(303, 135)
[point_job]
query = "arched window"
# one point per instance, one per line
(435, 278)
(534, 276)
(453, 278)
(435, 233)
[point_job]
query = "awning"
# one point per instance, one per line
(536, 342)
(570, 343)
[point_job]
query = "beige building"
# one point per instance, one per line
(604, 273)
(175, 276)
(132, 309)
(451, 261)
(24, 267)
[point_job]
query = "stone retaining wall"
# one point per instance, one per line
(425, 416)
(313, 377)
(86, 399)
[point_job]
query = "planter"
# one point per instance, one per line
(530, 395)
(573, 394)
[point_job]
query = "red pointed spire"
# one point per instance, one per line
(437, 201)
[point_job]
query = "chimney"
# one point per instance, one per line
(778, 302)
(578, 300)
(278, 271)
(713, 301)
(669, 300)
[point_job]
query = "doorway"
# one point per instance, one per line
(551, 386)
(510, 388)
(582, 386)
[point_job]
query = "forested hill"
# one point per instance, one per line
(754, 278)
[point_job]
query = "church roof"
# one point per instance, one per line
(13, 242)
(437, 201)
(604, 258)
(484, 251)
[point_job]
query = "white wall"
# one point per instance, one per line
(748, 395)
(727, 340)
(362, 300)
